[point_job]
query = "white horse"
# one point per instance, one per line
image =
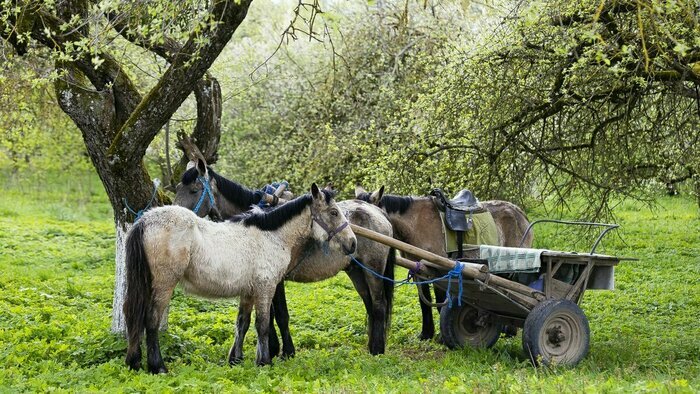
(208, 193)
(244, 257)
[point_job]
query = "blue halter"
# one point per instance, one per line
(205, 192)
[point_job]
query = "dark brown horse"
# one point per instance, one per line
(417, 221)
(209, 193)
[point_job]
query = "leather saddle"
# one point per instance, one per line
(458, 212)
(457, 208)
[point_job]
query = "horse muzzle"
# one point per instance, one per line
(352, 248)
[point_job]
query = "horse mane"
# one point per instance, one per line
(275, 218)
(236, 194)
(394, 204)
(391, 203)
(189, 176)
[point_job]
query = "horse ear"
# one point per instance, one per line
(315, 192)
(359, 190)
(376, 197)
(201, 167)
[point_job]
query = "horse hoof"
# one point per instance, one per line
(134, 362)
(425, 336)
(289, 355)
(510, 331)
(157, 369)
(262, 363)
(235, 360)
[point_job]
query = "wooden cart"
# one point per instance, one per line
(555, 329)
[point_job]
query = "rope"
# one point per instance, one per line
(455, 272)
(378, 275)
(140, 213)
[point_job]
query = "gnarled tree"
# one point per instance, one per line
(97, 89)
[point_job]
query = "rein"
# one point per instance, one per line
(206, 192)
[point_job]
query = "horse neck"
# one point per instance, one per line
(227, 204)
(420, 225)
(296, 232)
(227, 208)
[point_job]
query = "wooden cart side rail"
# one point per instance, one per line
(471, 271)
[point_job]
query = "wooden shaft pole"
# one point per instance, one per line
(472, 271)
(413, 266)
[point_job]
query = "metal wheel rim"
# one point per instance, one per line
(561, 338)
(468, 331)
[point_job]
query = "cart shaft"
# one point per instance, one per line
(469, 270)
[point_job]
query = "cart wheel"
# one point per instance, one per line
(465, 326)
(556, 332)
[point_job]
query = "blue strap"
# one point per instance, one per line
(455, 272)
(206, 192)
(148, 206)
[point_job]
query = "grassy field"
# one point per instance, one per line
(57, 276)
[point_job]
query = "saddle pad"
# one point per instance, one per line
(482, 232)
(508, 260)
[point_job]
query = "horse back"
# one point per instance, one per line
(511, 222)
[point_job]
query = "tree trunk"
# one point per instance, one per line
(118, 321)
(116, 121)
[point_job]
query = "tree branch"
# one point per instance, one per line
(190, 64)
(110, 73)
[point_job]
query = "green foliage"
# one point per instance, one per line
(34, 133)
(56, 278)
(328, 113)
(594, 100)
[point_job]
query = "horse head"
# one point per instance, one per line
(328, 222)
(374, 198)
(197, 189)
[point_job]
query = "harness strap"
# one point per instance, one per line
(205, 192)
(460, 244)
(331, 232)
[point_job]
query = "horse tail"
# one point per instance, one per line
(138, 289)
(389, 285)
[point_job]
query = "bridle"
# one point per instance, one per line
(206, 191)
(331, 232)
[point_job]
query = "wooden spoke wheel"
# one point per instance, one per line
(556, 332)
(465, 325)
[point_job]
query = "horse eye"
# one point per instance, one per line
(334, 212)
(194, 191)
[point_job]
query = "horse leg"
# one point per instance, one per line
(235, 355)
(262, 325)
(273, 340)
(428, 329)
(440, 297)
(160, 299)
(379, 313)
(358, 280)
(279, 303)
(133, 351)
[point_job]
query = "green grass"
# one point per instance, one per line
(57, 276)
